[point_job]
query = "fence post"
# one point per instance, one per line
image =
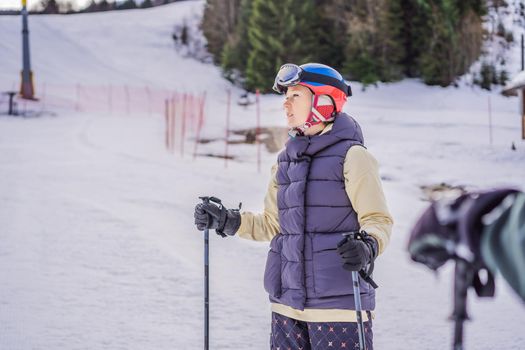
(183, 131)
(191, 112)
(148, 93)
(126, 91)
(201, 101)
(167, 124)
(172, 125)
(110, 98)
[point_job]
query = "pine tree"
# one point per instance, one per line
(391, 49)
(332, 31)
(279, 31)
(146, 4)
(127, 5)
(449, 35)
(50, 7)
(234, 56)
(414, 33)
(219, 23)
(375, 48)
(104, 5)
(91, 7)
(368, 40)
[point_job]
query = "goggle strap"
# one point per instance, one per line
(324, 79)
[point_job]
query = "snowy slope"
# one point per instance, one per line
(132, 46)
(98, 249)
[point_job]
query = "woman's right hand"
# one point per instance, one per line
(210, 215)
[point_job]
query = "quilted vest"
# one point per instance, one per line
(303, 268)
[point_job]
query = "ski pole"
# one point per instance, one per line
(357, 301)
(206, 284)
(207, 271)
(206, 290)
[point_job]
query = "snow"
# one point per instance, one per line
(503, 53)
(98, 249)
(517, 82)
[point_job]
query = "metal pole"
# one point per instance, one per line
(206, 290)
(26, 89)
(358, 310)
(357, 300)
(207, 282)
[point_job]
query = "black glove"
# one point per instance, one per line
(357, 252)
(212, 214)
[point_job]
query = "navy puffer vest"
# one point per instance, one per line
(303, 269)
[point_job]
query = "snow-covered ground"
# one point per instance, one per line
(98, 249)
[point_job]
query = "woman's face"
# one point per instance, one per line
(297, 105)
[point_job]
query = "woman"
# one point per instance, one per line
(325, 183)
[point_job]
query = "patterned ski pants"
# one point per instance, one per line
(291, 334)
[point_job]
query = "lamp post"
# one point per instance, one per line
(26, 88)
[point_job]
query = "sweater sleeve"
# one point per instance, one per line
(262, 226)
(364, 188)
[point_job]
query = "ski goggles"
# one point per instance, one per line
(291, 74)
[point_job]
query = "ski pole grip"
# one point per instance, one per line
(346, 237)
(208, 199)
(351, 235)
(215, 200)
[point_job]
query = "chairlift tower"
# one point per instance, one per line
(27, 90)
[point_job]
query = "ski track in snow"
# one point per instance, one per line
(88, 269)
(98, 249)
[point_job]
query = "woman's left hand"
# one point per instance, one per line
(357, 253)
